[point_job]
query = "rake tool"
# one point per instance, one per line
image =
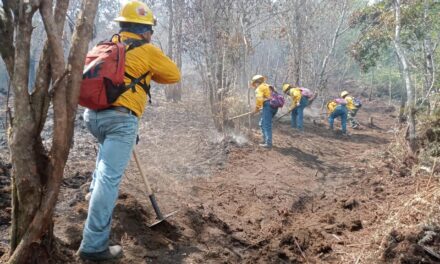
(159, 216)
(283, 115)
(235, 117)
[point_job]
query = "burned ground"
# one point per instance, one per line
(316, 197)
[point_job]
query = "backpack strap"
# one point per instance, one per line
(132, 44)
(135, 81)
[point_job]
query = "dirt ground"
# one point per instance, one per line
(316, 197)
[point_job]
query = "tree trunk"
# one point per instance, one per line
(389, 88)
(322, 79)
(177, 94)
(7, 14)
(298, 18)
(429, 64)
(407, 77)
(170, 89)
(26, 177)
(37, 176)
(370, 94)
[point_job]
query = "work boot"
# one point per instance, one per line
(266, 146)
(112, 252)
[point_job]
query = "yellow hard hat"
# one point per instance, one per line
(344, 94)
(286, 87)
(136, 12)
(257, 78)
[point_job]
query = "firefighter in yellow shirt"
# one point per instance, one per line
(337, 108)
(353, 107)
(262, 97)
(299, 103)
(116, 127)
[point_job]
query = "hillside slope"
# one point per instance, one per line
(316, 197)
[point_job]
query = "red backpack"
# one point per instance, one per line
(104, 72)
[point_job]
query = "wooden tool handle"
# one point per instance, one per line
(141, 171)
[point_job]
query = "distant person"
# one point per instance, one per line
(116, 127)
(353, 105)
(262, 97)
(337, 108)
(299, 103)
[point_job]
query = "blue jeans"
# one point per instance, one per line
(297, 115)
(266, 122)
(116, 134)
(340, 111)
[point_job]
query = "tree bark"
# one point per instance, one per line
(407, 77)
(177, 95)
(170, 89)
(7, 49)
(429, 65)
(298, 18)
(36, 187)
(370, 94)
(26, 178)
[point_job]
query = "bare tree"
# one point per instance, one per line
(321, 82)
(407, 76)
(175, 24)
(429, 52)
(37, 171)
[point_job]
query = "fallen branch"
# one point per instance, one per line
(300, 250)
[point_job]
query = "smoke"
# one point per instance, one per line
(239, 139)
(232, 137)
(313, 112)
(123, 2)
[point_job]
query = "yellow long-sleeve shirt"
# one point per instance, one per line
(350, 103)
(295, 95)
(331, 107)
(262, 94)
(146, 58)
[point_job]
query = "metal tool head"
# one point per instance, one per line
(163, 219)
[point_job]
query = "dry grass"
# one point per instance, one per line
(419, 209)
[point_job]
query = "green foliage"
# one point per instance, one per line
(369, 49)
(377, 27)
(386, 79)
(374, 38)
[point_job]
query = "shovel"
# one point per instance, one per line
(159, 216)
